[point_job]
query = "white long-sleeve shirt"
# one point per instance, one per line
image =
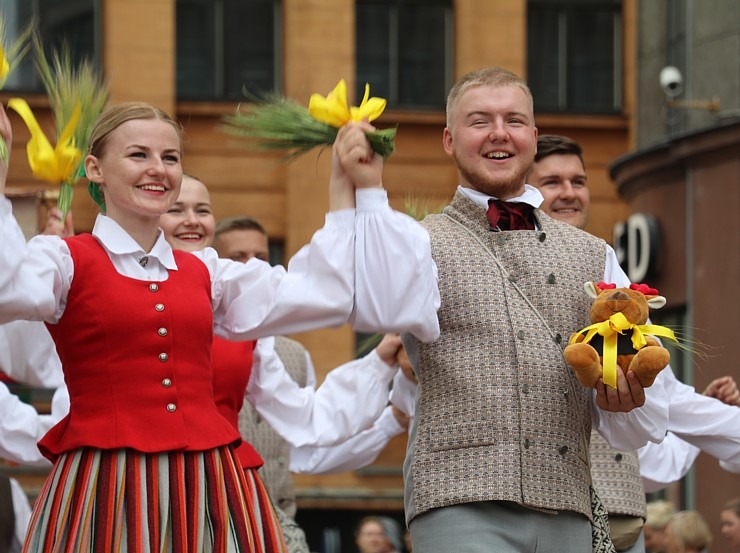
(696, 423)
(362, 449)
(350, 272)
(666, 462)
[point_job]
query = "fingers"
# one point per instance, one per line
(352, 144)
(628, 394)
(388, 348)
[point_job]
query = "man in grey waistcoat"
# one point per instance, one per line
(498, 456)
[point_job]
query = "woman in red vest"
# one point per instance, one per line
(144, 461)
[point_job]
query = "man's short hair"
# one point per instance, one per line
(554, 144)
(239, 223)
(489, 76)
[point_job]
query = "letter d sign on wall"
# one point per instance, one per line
(636, 243)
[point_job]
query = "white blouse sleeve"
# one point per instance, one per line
(667, 462)
(371, 266)
(35, 276)
(28, 354)
(704, 422)
(357, 452)
(348, 401)
(21, 426)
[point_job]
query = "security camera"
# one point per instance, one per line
(671, 81)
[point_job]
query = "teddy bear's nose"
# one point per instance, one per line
(619, 296)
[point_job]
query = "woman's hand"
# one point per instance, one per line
(354, 163)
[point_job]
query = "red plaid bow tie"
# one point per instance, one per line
(510, 215)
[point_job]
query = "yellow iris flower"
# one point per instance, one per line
(334, 110)
(53, 165)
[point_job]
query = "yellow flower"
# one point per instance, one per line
(53, 165)
(334, 110)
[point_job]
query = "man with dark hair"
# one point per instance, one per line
(241, 239)
(560, 175)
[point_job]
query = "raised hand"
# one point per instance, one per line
(724, 389)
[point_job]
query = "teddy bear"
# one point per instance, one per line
(618, 336)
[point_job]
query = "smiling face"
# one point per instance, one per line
(562, 181)
(492, 139)
(138, 169)
(189, 225)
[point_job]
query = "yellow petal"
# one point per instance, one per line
(67, 155)
(51, 165)
(333, 109)
(370, 109)
(330, 112)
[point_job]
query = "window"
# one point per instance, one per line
(404, 51)
(225, 47)
(73, 23)
(575, 55)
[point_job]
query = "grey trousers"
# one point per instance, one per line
(499, 527)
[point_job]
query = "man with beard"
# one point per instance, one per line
(498, 456)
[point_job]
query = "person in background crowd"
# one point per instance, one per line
(729, 520)
(370, 536)
(658, 512)
(392, 534)
(687, 532)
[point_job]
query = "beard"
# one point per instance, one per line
(502, 188)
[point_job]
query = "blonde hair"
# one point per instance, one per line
(689, 529)
(119, 114)
(733, 505)
(659, 513)
(490, 76)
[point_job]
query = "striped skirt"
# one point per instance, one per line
(122, 500)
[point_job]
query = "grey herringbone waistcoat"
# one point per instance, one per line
(499, 415)
(272, 448)
(616, 477)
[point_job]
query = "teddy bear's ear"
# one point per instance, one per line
(591, 290)
(655, 302)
